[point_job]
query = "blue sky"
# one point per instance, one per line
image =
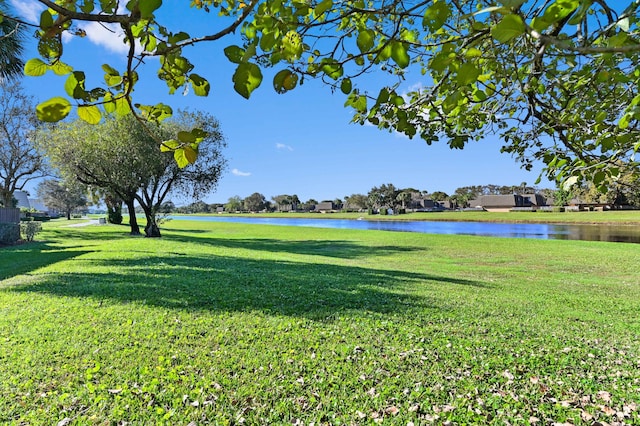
(301, 142)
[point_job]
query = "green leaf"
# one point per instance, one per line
(624, 121)
(467, 74)
(53, 110)
(89, 113)
(108, 6)
(87, 6)
(346, 86)
(512, 3)
(234, 53)
(155, 113)
(246, 79)
(359, 103)
(35, 67)
(473, 52)
(292, 46)
(178, 37)
(601, 116)
(284, 81)
(190, 154)
(46, 19)
(181, 157)
(200, 85)
(74, 86)
(122, 106)
(332, 69)
(109, 103)
(509, 27)
(186, 137)
(365, 40)
(50, 47)
(60, 68)
(322, 7)
(147, 7)
(169, 145)
(110, 70)
(399, 54)
(617, 40)
(268, 40)
(436, 15)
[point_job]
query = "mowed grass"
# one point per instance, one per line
(230, 324)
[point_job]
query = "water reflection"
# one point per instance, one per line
(611, 233)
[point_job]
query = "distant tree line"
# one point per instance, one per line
(396, 198)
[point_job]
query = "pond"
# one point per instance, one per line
(611, 233)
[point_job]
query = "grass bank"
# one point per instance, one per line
(228, 324)
(628, 217)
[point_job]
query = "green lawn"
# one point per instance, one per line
(222, 323)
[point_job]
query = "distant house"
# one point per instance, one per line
(327, 206)
(23, 199)
(420, 203)
(534, 200)
(506, 203)
(580, 205)
(287, 207)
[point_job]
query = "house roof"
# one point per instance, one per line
(497, 200)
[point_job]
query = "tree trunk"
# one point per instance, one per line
(152, 230)
(133, 220)
(68, 214)
(7, 199)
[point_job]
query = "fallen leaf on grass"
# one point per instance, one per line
(607, 410)
(586, 416)
(392, 410)
(605, 396)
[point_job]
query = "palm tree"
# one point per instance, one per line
(12, 37)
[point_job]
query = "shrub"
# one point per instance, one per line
(383, 211)
(558, 209)
(370, 211)
(9, 233)
(115, 215)
(30, 230)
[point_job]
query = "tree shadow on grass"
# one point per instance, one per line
(331, 248)
(22, 259)
(231, 284)
(102, 234)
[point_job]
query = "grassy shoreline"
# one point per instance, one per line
(628, 217)
(227, 323)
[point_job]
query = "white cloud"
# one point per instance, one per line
(239, 173)
(283, 146)
(30, 10)
(109, 36)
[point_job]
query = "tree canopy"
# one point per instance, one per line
(12, 38)
(20, 161)
(121, 157)
(62, 196)
(556, 80)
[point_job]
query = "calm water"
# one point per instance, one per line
(612, 233)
